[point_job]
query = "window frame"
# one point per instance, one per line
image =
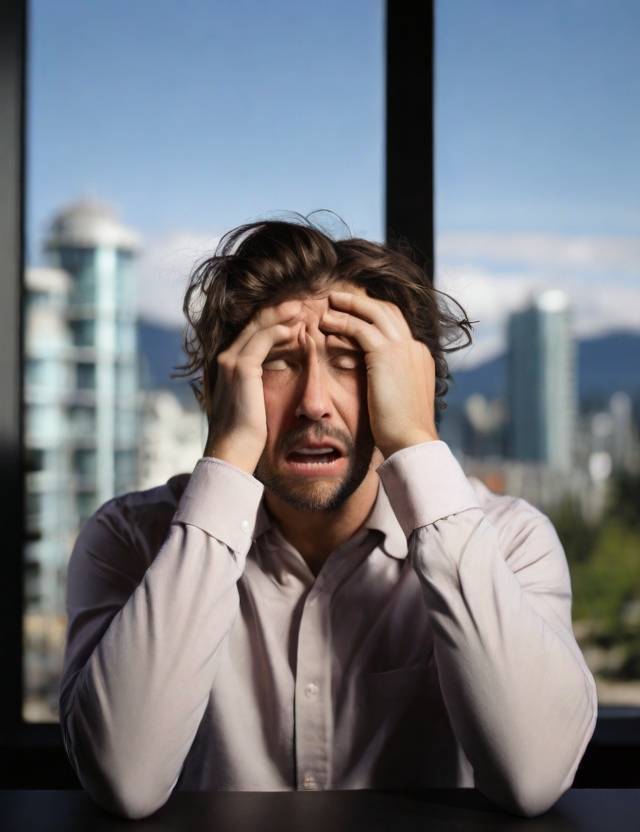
(32, 755)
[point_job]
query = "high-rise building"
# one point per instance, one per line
(87, 241)
(50, 492)
(81, 417)
(541, 381)
(81, 389)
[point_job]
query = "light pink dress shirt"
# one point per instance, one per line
(434, 648)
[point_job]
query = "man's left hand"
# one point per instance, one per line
(400, 370)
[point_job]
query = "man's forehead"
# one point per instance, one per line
(316, 303)
(320, 298)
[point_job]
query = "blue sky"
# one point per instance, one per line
(538, 122)
(191, 117)
(199, 115)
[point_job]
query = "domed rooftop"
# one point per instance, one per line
(88, 223)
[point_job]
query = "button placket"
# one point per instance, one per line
(313, 695)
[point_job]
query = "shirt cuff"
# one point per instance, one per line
(223, 501)
(425, 483)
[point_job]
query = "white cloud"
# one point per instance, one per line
(599, 303)
(492, 275)
(487, 298)
(163, 271)
(556, 252)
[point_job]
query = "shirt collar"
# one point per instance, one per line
(381, 518)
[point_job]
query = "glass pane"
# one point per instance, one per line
(538, 221)
(150, 135)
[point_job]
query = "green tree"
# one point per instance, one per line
(578, 536)
(624, 499)
(604, 561)
(609, 578)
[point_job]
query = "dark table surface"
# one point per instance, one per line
(614, 810)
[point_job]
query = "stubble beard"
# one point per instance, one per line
(309, 494)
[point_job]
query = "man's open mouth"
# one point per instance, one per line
(326, 462)
(322, 458)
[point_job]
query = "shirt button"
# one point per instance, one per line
(309, 782)
(311, 690)
(244, 525)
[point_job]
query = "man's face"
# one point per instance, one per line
(316, 394)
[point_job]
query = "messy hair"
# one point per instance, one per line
(265, 262)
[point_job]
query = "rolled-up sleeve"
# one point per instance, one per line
(521, 699)
(143, 644)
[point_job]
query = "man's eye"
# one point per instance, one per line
(274, 361)
(344, 362)
(349, 362)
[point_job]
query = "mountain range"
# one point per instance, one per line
(605, 364)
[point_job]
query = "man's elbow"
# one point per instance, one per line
(529, 794)
(135, 806)
(530, 801)
(125, 800)
(114, 787)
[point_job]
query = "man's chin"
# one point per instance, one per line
(312, 493)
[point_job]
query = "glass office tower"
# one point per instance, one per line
(48, 374)
(88, 242)
(81, 416)
(542, 382)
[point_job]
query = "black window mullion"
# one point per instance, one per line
(409, 126)
(12, 101)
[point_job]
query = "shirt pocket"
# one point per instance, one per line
(399, 682)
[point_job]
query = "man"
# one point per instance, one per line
(327, 601)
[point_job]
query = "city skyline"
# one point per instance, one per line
(94, 431)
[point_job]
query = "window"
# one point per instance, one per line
(537, 181)
(84, 462)
(408, 204)
(111, 267)
(85, 376)
(83, 333)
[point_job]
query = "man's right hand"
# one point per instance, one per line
(237, 416)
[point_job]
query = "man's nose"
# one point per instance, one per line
(313, 395)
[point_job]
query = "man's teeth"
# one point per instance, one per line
(316, 450)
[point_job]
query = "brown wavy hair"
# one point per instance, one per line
(268, 261)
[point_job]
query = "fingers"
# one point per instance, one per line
(366, 335)
(384, 314)
(264, 318)
(262, 341)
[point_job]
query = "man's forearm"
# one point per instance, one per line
(520, 697)
(129, 715)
